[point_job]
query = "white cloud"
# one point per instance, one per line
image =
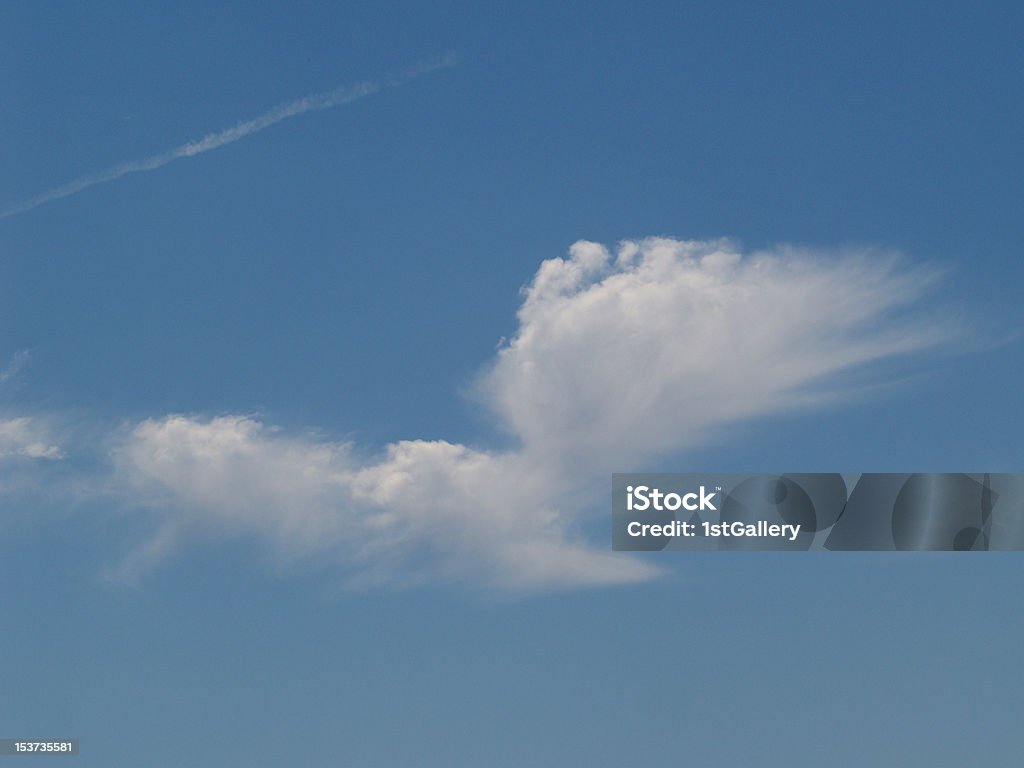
(618, 358)
(24, 437)
(426, 509)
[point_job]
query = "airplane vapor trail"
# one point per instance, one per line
(316, 102)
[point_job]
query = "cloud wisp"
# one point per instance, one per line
(619, 358)
(21, 436)
(342, 95)
(26, 437)
(15, 366)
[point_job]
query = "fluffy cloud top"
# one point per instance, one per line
(622, 357)
(618, 358)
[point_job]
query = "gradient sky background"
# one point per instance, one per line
(349, 272)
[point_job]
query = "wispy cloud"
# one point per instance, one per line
(17, 363)
(623, 355)
(25, 437)
(21, 436)
(619, 357)
(345, 94)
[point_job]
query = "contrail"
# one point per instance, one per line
(345, 94)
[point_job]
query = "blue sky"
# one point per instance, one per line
(211, 367)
